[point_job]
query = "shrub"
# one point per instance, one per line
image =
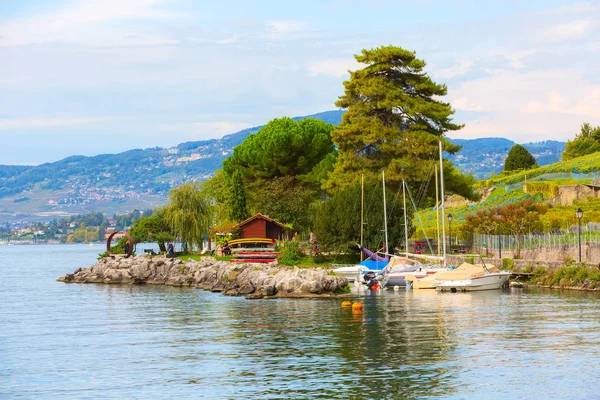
(290, 253)
(318, 258)
(507, 263)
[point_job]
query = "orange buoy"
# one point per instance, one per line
(346, 304)
(357, 306)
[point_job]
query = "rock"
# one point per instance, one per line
(253, 281)
(268, 290)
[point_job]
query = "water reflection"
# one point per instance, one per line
(78, 341)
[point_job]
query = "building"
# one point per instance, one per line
(263, 227)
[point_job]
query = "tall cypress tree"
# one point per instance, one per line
(238, 209)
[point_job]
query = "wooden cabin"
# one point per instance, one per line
(261, 226)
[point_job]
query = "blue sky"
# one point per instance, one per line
(104, 76)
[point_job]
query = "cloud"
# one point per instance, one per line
(455, 70)
(82, 23)
(48, 122)
(203, 129)
(573, 30)
(527, 106)
(336, 67)
(286, 26)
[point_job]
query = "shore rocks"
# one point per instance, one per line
(250, 280)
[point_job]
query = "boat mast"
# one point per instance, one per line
(362, 213)
(437, 210)
(443, 209)
(405, 224)
(384, 213)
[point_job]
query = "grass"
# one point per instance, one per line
(305, 261)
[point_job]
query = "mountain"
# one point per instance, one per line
(117, 183)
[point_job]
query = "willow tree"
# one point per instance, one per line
(394, 121)
(188, 214)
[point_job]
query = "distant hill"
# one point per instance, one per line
(117, 183)
(484, 157)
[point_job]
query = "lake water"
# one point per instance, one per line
(70, 341)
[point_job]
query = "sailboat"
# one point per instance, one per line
(467, 277)
(374, 262)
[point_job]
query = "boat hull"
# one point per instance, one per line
(351, 273)
(487, 282)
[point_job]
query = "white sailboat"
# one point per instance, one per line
(377, 263)
(467, 277)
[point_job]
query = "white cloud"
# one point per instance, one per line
(286, 26)
(524, 106)
(568, 31)
(82, 23)
(455, 70)
(203, 129)
(336, 67)
(48, 122)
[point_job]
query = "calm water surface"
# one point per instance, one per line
(68, 341)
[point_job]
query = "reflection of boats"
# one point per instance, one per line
(469, 277)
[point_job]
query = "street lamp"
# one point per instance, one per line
(579, 214)
(450, 218)
(498, 215)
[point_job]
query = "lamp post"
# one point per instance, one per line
(499, 237)
(450, 218)
(579, 214)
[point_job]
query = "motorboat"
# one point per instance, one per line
(470, 277)
(394, 274)
(353, 272)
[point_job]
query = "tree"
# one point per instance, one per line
(283, 147)
(521, 216)
(337, 219)
(519, 158)
(152, 229)
(188, 214)
(284, 201)
(587, 141)
(484, 221)
(394, 122)
(238, 209)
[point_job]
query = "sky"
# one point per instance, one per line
(104, 76)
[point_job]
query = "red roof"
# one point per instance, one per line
(260, 216)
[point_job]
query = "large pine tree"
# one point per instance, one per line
(394, 122)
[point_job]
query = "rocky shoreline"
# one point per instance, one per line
(250, 280)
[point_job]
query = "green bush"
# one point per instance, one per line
(290, 253)
(318, 258)
(507, 263)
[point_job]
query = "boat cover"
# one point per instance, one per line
(465, 271)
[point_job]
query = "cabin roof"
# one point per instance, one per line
(260, 216)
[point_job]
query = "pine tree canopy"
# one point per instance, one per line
(394, 121)
(519, 158)
(283, 147)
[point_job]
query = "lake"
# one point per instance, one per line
(70, 341)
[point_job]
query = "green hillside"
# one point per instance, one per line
(542, 183)
(581, 165)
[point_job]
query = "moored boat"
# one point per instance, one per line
(470, 277)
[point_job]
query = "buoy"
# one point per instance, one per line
(346, 304)
(396, 287)
(357, 306)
